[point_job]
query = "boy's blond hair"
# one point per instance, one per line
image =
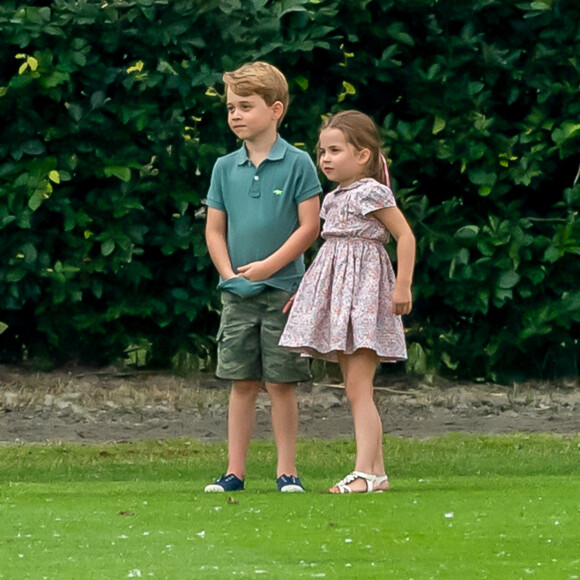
(262, 79)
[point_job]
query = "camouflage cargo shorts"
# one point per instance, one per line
(248, 336)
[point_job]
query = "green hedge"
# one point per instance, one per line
(111, 123)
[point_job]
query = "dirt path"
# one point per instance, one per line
(96, 406)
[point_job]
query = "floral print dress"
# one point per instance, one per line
(344, 301)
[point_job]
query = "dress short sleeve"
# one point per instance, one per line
(375, 196)
(324, 207)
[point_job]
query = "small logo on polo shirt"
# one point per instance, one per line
(278, 192)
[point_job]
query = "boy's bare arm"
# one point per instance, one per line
(306, 233)
(215, 237)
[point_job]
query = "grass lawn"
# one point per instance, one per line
(460, 506)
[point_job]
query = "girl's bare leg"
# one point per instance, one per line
(358, 370)
(285, 425)
(241, 421)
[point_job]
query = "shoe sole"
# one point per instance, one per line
(292, 489)
(213, 488)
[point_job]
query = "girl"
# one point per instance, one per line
(348, 306)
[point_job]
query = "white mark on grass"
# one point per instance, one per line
(136, 573)
(449, 515)
(348, 541)
(201, 534)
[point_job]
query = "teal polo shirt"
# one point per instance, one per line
(261, 204)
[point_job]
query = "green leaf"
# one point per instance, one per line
(482, 176)
(122, 173)
(108, 247)
(395, 31)
(36, 199)
(75, 111)
(438, 125)
(302, 82)
(508, 280)
(568, 130)
(30, 253)
(16, 274)
(97, 99)
(33, 147)
(467, 232)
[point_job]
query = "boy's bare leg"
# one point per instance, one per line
(241, 421)
(285, 425)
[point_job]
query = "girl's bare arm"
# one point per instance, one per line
(394, 220)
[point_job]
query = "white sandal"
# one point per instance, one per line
(379, 480)
(371, 480)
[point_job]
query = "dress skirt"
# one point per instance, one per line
(344, 303)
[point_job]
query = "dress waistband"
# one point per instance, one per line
(354, 240)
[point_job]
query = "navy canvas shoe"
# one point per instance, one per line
(227, 482)
(289, 484)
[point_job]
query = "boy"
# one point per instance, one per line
(263, 213)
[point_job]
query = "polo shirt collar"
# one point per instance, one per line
(276, 153)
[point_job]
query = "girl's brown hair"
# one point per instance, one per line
(361, 132)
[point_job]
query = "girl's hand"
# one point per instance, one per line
(255, 271)
(288, 304)
(402, 300)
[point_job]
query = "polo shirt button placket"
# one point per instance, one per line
(255, 189)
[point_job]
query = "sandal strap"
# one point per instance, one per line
(369, 478)
(343, 488)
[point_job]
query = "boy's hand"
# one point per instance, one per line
(402, 300)
(255, 271)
